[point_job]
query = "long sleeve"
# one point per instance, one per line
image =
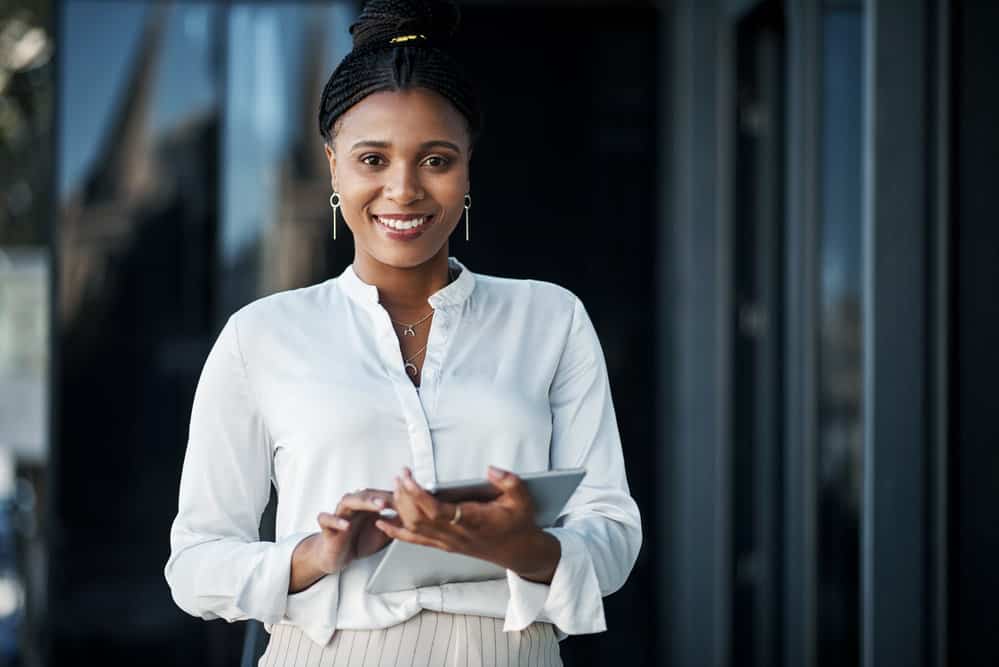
(218, 567)
(600, 529)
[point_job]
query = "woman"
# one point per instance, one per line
(352, 395)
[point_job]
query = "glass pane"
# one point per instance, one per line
(276, 220)
(758, 220)
(136, 174)
(840, 379)
(26, 98)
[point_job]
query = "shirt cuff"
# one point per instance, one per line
(314, 609)
(572, 601)
(264, 594)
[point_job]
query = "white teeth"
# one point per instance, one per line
(402, 225)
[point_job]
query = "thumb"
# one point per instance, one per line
(506, 481)
(332, 522)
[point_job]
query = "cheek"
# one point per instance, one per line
(355, 193)
(450, 193)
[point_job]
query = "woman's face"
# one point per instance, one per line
(400, 164)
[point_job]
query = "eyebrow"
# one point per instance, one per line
(426, 145)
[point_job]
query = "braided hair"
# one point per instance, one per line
(400, 44)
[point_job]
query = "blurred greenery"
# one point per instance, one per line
(26, 121)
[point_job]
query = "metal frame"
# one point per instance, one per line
(52, 518)
(940, 333)
(699, 548)
(894, 531)
(758, 221)
(906, 340)
(801, 337)
(700, 248)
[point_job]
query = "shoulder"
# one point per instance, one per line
(536, 296)
(285, 310)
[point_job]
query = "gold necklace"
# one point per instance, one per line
(409, 329)
(410, 366)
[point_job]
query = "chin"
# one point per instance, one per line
(405, 257)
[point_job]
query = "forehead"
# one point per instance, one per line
(403, 117)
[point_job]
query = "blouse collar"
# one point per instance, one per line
(452, 294)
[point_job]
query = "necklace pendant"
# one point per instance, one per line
(409, 331)
(411, 368)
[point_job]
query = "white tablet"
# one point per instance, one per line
(407, 566)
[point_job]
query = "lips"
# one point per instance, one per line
(401, 223)
(403, 226)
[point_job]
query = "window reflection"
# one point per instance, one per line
(276, 218)
(26, 98)
(840, 370)
(135, 241)
(140, 103)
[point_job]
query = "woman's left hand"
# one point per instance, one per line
(501, 531)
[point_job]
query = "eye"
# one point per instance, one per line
(372, 160)
(436, 161)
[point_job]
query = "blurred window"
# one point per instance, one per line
(276, 182)
(840, 359)
(26, 101)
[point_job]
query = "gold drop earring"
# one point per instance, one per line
(468, 205)
(335, 205)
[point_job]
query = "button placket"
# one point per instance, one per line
(436, 341)
(417, 429)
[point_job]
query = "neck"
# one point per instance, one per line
(404, 288)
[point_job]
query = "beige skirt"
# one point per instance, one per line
(429, 639)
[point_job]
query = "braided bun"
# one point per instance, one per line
(382, 20)
(398, 45)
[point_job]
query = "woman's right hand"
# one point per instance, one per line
(349, 532)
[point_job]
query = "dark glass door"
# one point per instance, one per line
(757, 442)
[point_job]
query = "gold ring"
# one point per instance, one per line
(457, 515)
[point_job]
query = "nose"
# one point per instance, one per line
(403, 184)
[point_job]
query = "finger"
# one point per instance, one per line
(363, 501)
(378, 495)
(510, 484)
(471, 515)
(375, 496)
(424, 501)
(332, 522)
(441, 530)
(407, 535)
(447, 514)
(405, 505)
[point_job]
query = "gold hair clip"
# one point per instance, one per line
(406, 38)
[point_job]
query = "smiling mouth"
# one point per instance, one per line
(403, 223)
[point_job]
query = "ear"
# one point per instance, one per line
(331, 158)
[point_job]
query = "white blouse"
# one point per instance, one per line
(306, 389)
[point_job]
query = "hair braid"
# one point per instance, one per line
(376, 64)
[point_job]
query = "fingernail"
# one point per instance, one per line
(496, 472)
(342, 524)
(379, 502)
